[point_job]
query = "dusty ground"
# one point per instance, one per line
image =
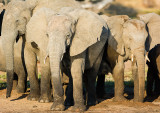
(19, 103)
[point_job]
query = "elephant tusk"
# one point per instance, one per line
(45, 58)
(62, 58)
(147, 58)
(132, 57)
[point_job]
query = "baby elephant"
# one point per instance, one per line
(19, 72)
(153, 73)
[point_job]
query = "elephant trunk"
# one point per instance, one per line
(55, 54)
(141, 73)
(8, 47)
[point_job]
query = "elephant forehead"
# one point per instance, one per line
(139, 25)
(135, 24)
(58, 22)
(15, 9)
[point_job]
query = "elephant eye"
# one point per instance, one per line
(47, 35)
(68, 35)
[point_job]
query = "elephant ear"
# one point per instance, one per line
(115, 24)
(153, 28)
(89, 29)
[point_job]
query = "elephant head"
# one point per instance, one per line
(16, 17)
(128, 38)
(74, 28)
(115, 24)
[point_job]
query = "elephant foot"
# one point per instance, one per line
(20, 89)
(57, 107)
(120, 99)
(45, 99)
(33, 97)
(78, 108)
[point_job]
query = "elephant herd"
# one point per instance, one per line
(69, 40)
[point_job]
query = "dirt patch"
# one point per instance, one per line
(19, 103)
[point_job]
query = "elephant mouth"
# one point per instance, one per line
(21, 32)
(146, 57)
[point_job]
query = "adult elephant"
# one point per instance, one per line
(18, 13)
(128, 38)
(84, 33)
(20, 76)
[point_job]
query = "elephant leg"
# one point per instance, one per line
(118, 75)
(90, 86)
(22, 82)
(150, 81)
(157, 85)
(45, 80)
(31, 65)
(77, 69)
(100, 89)
(91, 76)
(69, 92)
(15, 81)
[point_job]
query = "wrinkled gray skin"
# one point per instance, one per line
(36, 47)
(73, 29)
(152, 21)
(18, 13)
(14, 22)
(85, 52)
(21, 84)
(128, 37)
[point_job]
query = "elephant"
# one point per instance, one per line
(79, 33)
(152, 21)
(18, 13)
(35, 47)
(153, 73)
(127, 42)
(20, 75)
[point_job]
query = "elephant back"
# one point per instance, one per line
(56, 5)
